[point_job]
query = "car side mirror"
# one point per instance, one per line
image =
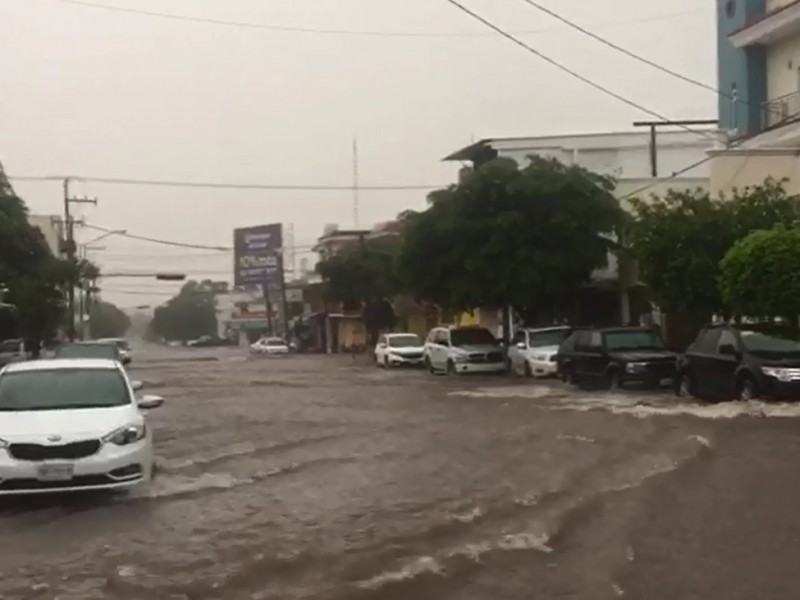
(521, 345)
(729, 350)
(137, 386)
(149, 402)
(126, 360)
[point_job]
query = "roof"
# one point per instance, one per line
(52, 364)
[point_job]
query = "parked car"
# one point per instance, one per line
(725, 363)
(72, 425)
(123, 346)
(400, 349)
(615, 357)
(208, 341)
(533, 351)
(92, 349)
(270, 346)
(11, 351)
(463, 350)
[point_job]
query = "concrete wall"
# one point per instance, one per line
(783, 68)
(50, 225)
(741, 169)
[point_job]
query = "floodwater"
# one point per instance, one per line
(324, 477)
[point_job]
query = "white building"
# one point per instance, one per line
(52, 228)
(626, 156)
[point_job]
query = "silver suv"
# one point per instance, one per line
(459, 350)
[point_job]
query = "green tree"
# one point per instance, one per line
(364, 278)
(680, 239)
(525, 237)
(107, 321)
(760, 274)
(189, 315)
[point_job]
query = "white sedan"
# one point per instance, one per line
(270, 346)
(396, 349)
(72, 425)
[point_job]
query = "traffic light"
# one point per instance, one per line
(170, 276)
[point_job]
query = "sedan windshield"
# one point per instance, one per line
(768, 345)
(472, 337)
(405, 341)
(108, 351)
(548, 337)
(275, 342)
(633, 340)
(62, 389)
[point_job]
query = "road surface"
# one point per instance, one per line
(323, 477)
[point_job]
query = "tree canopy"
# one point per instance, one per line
(192, 313)
(680, 239)
(527, 237)
(760, 274)
(107, 321)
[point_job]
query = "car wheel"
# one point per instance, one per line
(567, 376)
(746, 390)
(528, 371)
(613, 381)
(429, 365)
(386, 362)
(685, 388)
(451, 367)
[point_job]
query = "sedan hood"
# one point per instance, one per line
(644, 355)
(70, 424)
(478, 348)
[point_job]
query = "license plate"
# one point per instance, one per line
(666, 381)
(55, 472)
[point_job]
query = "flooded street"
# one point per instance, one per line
(323, 477)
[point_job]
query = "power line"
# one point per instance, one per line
(625, 51)
(350, 32)
(567, 70)
(226, 186)
(159, 241)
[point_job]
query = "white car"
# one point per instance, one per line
(398, 349)
(270, 346)
(463, 350)
(533, 351)
(71, 425)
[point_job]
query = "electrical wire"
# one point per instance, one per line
(157, 240)
(224, 186)
(625, 51)
(569, 71)
(350, 32)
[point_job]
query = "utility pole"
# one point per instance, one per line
(654, 125)
(69, 247)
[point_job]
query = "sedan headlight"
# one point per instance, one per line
(541, 357)
(130, 434)
(460, 358)
(777, 372)
(635, 367)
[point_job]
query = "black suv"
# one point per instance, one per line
(614, 357)
(724, 363)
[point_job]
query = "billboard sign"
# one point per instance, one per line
(256, 256)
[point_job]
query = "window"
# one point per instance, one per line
(582, 340)
(706, 342)
(726, 338)
(404, 341)
(473, 336)
(770, 346)
(595, 340)
(633, 339)
(568, 345)
(63, 389)
(548, 337)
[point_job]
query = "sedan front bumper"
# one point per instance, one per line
(111, 467)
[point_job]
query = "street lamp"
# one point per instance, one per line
(85, 245)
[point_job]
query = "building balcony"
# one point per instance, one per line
(773, 26)
(781, 110)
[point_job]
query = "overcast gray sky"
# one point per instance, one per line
(103, 93)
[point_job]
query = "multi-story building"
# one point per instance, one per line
(759, 100)
(52, 229)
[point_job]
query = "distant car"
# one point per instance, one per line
(270, 346)
(11, 351)
(400, 349)
(725, 363)
(533, 351)
(72, 425)
(122, 344)
(459, 350)
(92, 349)
(208, 341)
(615, 357)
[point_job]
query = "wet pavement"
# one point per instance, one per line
(324, 477)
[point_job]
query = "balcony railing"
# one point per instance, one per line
(780, 110)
